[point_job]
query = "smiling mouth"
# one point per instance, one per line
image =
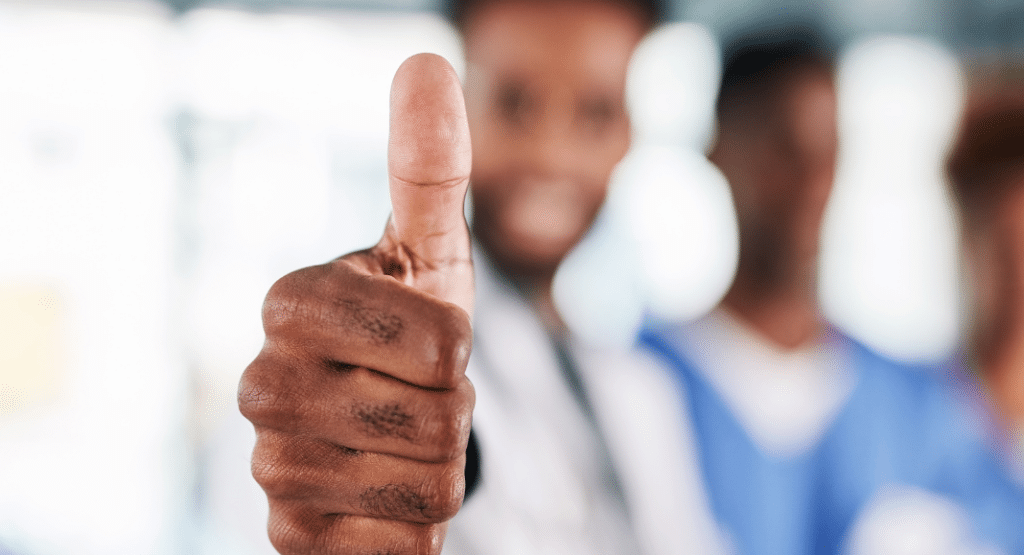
(546, 218)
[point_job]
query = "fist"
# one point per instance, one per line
(359, 397)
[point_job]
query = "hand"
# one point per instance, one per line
(359, 397)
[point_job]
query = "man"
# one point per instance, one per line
(811, 443)
(360, 397)
(986, 171)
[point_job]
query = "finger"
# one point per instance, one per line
(334, 312)
(429, 155)
(429, 160)
(334, 479)
(358, 409)
(295, 529)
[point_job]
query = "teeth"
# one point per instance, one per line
(547, 214)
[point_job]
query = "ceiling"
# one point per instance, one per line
(974, 26)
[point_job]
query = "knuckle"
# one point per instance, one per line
(281, 303)
(262, 392)
(436, 498)
(454, 343)
(288, 540)
(429, 540)
(287, 532)
(448, 430)
(451, 442)
(273, 474)
(446, 492)
(294, 466)
(285, 304)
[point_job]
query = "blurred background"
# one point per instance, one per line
(162, 163)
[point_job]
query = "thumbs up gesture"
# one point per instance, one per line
(359, 397)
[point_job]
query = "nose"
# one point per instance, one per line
(552, 151)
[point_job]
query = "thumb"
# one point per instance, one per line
(429, 160)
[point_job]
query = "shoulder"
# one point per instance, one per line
(903, 383)
(916, 404)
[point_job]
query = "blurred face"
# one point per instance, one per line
(1008, 321)
(545, 93)
(998, 263)
(1013, 227)
(781, 167)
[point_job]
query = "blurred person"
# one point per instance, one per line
(986, 173)
(361, 397)
(809, 441)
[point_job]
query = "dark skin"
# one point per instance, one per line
(545, 91)
(359, 397)
(995, 244)
(779, 158)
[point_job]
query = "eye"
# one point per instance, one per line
(514, 104)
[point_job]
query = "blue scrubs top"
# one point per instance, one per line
(899, 426)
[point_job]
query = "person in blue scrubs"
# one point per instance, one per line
(810, 443)
(986, 174)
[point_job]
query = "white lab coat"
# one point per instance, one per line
(541, 488)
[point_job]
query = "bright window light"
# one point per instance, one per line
(890, 249)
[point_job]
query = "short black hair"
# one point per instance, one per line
(755, 61)
(652, 12)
